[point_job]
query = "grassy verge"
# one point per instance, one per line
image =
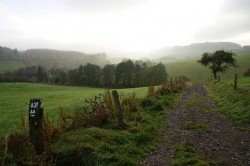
(107, 145)
(235, 104)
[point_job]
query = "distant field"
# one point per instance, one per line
(15, 96)
(199, 74)
(10, 65)
(244, 82)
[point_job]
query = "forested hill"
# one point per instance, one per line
(49, 57)
(8, 54)
(71, 59)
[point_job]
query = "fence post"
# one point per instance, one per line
(36, 125)
(235, 81)
(121, 123)
(171, 83)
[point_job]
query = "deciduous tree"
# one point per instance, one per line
(219, 61)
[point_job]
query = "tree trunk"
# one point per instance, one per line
(215, 75)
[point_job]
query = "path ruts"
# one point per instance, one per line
(221, 141)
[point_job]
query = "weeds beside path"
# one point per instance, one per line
(197, 134)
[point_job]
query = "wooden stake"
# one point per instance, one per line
(121, 123)
(235, 81)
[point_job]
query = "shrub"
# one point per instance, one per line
(130, 104)
(146, 102)
(21, 152)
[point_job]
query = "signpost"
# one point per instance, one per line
(36, 130)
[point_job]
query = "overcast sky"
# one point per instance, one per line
(121, 25)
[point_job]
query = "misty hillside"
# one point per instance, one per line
(49, 57)
(193, 50)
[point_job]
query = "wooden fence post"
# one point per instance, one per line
(171, 83)
(121, 123)
(36, 125)
(235, 81)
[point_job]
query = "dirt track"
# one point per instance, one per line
(220, 141)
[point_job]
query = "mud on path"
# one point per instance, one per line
(197, 121)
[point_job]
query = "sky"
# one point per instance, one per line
(121, 25)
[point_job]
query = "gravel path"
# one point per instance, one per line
(220, 140)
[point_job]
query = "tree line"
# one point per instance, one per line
(126, 74)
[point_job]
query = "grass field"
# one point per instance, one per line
(235, 104)
(15, 97)
(199, 74)
(6, 66)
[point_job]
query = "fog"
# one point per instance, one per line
(120, 27)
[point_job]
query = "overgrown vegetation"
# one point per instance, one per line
(235, 104)
(90, 136)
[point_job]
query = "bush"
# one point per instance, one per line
(146, 102)
(130, 104)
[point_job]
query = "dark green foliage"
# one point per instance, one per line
(157, 74)
(143, 138)
(92, 74)
(41, 74)
(8, 54)
(219, 61)
(109, 75)
(146, 102)
(124, 74)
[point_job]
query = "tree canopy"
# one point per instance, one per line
(218, 61)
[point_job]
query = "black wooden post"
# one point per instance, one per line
(36, 129)
(235, 81)
(121, 123)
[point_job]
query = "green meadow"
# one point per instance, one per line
(200, 74)
(15, 98)
(6, 66)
